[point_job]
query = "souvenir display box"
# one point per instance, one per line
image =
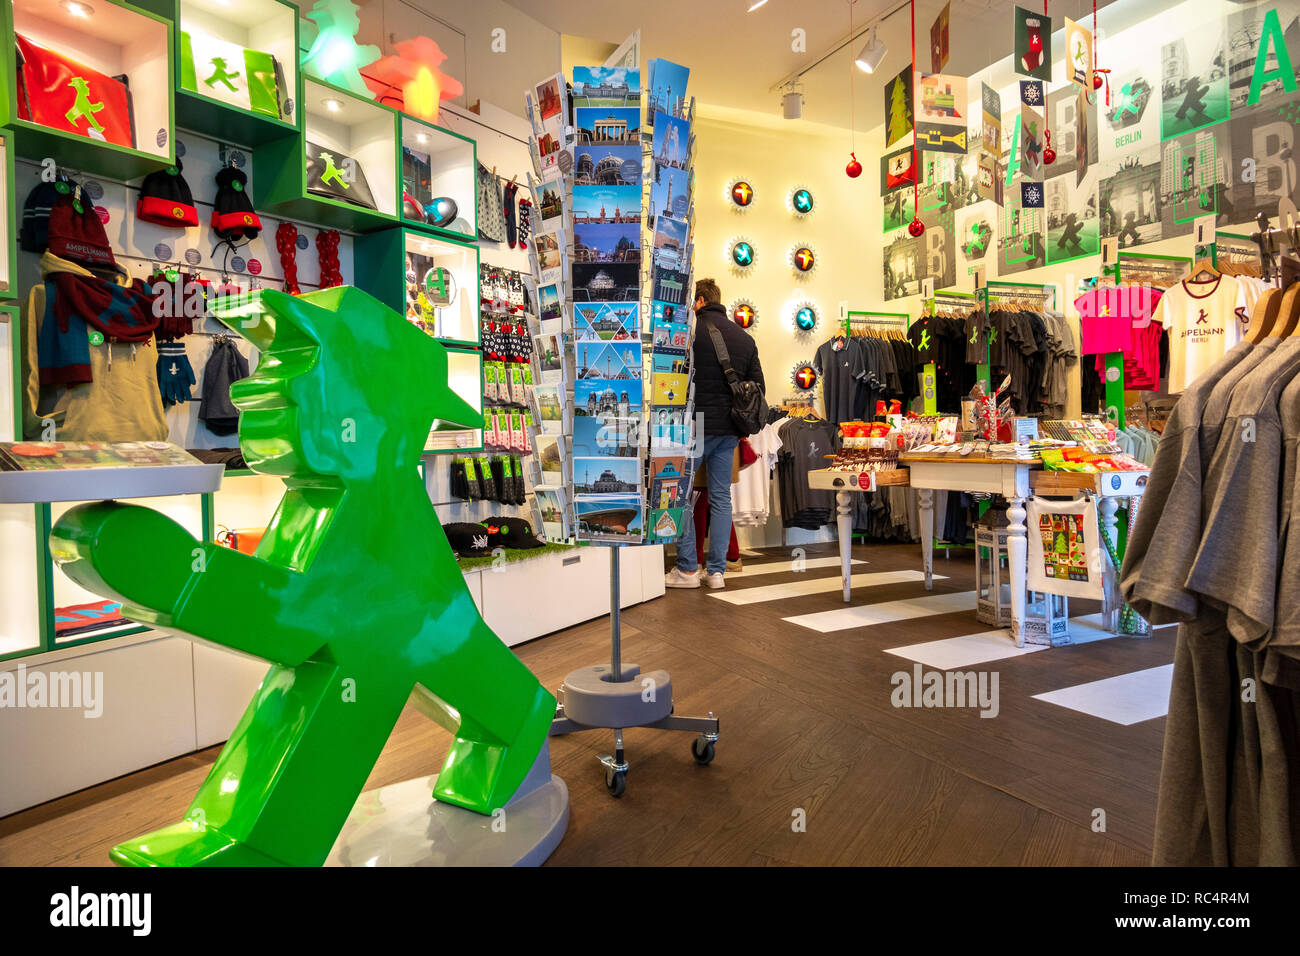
(439, 180)
(354, 141)
(115, 114)
(206, 31)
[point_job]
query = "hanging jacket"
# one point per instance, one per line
(121, 402)
(225, 365)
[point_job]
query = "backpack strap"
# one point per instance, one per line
(724, 358)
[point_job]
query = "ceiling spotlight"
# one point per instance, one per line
(792, 104)
(755, 5)
(332, 105)
(421, 138)
(871, 54)
(78, 9)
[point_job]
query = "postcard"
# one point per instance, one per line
(667, 89)
(608, 360)
(547, 255)
(606, 86)
(549, 304)
(670, 244)
(612, 125)
(550, 204)
(670, 193)
(599, 397)
(606, 165)
(611, 518)
(606, 476)
(666, 524)
(669, 430)
(671, 145)
(607, 242)
(551, 505)
(606, 281)
(548, 350)
(548, 457)
(606, 321)
(605, 204)
(548, 409)
(606, 436)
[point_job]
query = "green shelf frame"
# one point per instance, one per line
(379, 267)
(12, 216)
(69, 149)
(280, 172)
(402, 120)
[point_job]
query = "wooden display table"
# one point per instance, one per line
(1006, 477)
(845, 484)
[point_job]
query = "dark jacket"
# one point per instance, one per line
(712, 394)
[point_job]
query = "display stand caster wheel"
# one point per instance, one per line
(616, 782)
(702, 750)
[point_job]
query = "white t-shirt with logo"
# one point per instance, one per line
(1203, 320)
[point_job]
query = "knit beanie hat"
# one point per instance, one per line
(165, 199)
(232, 211)
(75, 232)
(34, 235)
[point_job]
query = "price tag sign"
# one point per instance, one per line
(867, 481)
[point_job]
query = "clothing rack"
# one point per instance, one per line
(889, 324)
(1022, 295)
(1158, 272)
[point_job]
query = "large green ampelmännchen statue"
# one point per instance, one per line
(353, 595)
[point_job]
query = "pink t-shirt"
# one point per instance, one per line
(1108, 316)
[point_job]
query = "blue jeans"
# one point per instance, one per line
(717, 454)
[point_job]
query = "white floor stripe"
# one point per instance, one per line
(1126, 699)
(867, 615)
(824, 585)
(775, 567)
(956, 652)
(1089, 627)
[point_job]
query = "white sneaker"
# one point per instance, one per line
(714, 581)
(677, 578)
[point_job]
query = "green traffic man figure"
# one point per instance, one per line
(353, 595)
(221, 75)
(82, 108)
(332, 172)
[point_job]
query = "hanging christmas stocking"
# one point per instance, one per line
(1033, 57)
(509, 201)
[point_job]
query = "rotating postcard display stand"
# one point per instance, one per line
(599, 247)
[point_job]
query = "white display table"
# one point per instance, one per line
(1013, 480)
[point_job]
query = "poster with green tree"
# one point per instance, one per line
(898, 107)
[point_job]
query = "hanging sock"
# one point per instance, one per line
(509, 203)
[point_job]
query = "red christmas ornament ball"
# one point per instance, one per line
(1049, 156)
(916, 228)
(1096, 81)
(854, 169)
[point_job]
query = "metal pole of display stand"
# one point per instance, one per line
(625, 696)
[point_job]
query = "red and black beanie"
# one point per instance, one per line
(232, 211)
(165, 199)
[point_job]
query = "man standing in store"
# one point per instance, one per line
(720, 436)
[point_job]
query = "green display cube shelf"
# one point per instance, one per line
(354, 142)
(465, 376)
(439, 165)
(220, 44)
(432, 280)
(99, 126)
(8, 220)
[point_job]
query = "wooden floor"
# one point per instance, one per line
(807, 731)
